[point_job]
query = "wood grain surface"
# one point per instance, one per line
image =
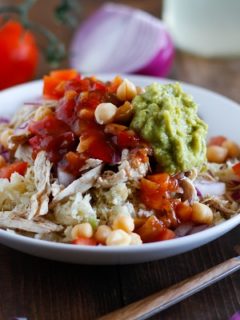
(45, 290)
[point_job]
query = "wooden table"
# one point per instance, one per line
(45, 290)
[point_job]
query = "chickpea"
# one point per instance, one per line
(123, 222)
(82, 230)
(232, 148)
(135, 239)
(105, 112)
(201, 213)
(102, 233)
(124, 112)
(4, 137)
(118, 238)
(42, 112)
(216, 154)
(114, 128)
(126, 90)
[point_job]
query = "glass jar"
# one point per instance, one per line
(205, 27)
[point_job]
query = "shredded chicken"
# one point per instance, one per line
(12, 220)
(40, 199)
(24, 153)
(83, 184)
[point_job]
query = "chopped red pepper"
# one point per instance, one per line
(166, 234)
(49, 125)
(54, 84)
(73, 162)
(128, 139)
(19, 167)
(236, 169)
(85, 241)
(150, 231)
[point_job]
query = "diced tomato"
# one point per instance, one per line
(103, 150)
(78, 85)
(113, 86)
(66, 109)
(90, 100)
(66, 74)
(150, 231)
(85, 241)
(236, 169)
(99, 86)
(160, 178)
(73, 162)
(216, 141)
(19, 167)
(128, 139)
(165, 181)
(154, 195)
(55, 146)
(151, 194)
(183, 212)
(166, 234)
(50, 125)
(54, 84)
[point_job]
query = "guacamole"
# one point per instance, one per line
(166, 117)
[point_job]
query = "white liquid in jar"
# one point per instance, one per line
(206, 27)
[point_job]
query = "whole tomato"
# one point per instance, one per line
(18, 54)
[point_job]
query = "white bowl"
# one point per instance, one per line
(222, 116)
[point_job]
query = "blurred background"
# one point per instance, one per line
(202, 47)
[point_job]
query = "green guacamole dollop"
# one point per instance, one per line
(166, 117)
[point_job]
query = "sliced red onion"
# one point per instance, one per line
(34, 104)
(236, 316)
(209, 188)
(22, 128)
(4, 120)
(64, 177)
(183, 229)
(198, 228)
(5, 154)
(118, 38)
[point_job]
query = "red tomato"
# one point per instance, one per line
(85, 241)
(18, 55)
(19, 167)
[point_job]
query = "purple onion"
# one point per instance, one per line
(206, 188)
(4, 120)
(126, 40)
(198, 228)
(236, 316)
(64, 177)
(183, 229)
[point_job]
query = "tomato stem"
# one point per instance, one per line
(54, 51)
